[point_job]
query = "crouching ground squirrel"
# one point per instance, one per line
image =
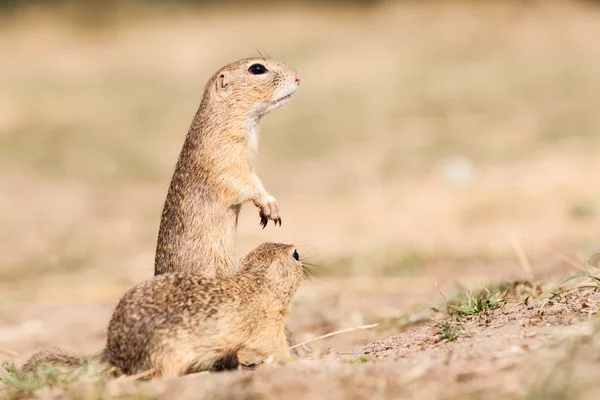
(180, 323)
(214, 175)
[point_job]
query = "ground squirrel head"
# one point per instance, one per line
(252, 86)
(278, 264)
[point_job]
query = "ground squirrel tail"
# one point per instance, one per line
(59, 358)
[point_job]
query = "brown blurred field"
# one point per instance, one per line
(423, 139)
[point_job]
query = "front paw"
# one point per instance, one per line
(268, 210)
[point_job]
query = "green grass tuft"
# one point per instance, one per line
(358, 360)
(18, 385)
(588, 275)
(483, 302)
(448, 330)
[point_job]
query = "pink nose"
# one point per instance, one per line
(297, 78)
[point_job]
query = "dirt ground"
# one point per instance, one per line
(531, 347)
(433, 149)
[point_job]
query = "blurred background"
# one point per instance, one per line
(424, 136)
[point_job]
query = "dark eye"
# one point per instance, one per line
(257, 69)
(296, 255)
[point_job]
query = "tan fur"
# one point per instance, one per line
(215, 175)
(58, 358)
(179, 323)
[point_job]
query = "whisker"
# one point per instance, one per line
(309, 257)
(309, 273)
(303, 243)
(258, 51)
(310, 264)
(309, 251)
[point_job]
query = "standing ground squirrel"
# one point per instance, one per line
(214, 174)
(180, 323)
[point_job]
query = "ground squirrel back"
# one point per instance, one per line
(214, 174)
(179, 323)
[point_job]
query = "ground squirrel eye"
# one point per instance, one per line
(296, 255)
(257, 69)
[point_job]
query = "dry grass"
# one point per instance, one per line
(423, 138)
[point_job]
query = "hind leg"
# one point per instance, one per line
(178, 362)
(265, 350)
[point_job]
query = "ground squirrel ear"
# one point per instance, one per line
(283, 271)
(222, 82)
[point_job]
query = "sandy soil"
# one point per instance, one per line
(511, 352)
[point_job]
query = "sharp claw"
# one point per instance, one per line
(263, 221)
